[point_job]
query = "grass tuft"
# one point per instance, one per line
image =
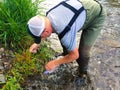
(25, 65)
(14, 15)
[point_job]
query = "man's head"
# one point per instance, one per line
(35, 27)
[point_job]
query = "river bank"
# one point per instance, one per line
(104, 66)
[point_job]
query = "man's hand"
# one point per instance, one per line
(34, 47)
(73, 55)
(51, 65)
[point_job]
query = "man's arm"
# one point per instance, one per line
(73, 55)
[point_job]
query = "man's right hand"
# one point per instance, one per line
(34, 47)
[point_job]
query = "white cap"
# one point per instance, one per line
(36, 25)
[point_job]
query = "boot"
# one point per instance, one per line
(81, 78)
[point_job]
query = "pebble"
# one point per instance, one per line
(2, 50)
(1, 67)
(99, 62)
(2, 78)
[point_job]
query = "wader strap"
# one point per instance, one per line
(54, 8)
(68, 27)
(76, 14)
(100, 7)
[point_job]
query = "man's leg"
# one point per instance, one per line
(84, 52)
(86, 42)
(88, 37)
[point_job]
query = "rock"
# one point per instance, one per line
(2, 50)
(2, 79)
(111, 43)
(1, 67)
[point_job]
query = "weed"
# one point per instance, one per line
(26, 65)
(14, 15)
(12, 84)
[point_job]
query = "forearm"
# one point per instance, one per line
(73, 55)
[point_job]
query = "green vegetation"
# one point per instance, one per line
(14, 15)
(26, 64)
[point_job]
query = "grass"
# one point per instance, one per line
(14, 15)
(27, 65)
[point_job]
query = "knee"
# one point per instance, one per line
(84, 54)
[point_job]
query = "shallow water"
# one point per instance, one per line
(115, 3)
(104, 66)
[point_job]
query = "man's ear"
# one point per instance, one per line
(45, 33)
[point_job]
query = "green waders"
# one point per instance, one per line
(90, 31)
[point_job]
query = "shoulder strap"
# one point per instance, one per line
(54, 7)
(77, 13)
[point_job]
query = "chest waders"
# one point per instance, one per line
(76, 14)
(90, 30)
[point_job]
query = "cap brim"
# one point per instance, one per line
(36, 38)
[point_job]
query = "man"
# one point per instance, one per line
(66, 19)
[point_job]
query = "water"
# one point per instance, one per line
(104, 67)
(115, 3)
